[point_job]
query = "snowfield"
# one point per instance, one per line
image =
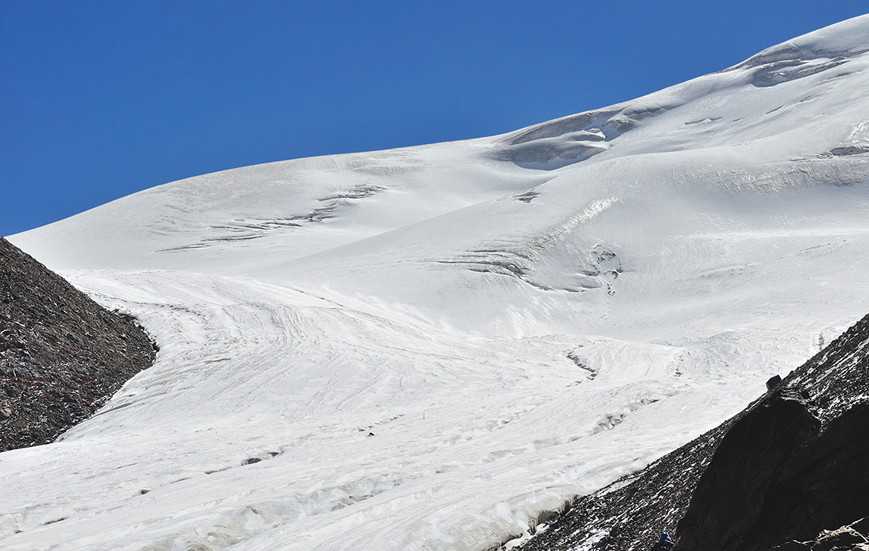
(424, 348)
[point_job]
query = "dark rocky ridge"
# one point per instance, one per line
(62, 355)
(788, 466)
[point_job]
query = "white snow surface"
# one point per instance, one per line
(426, 347)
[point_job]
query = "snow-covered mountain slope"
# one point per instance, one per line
(426, 347)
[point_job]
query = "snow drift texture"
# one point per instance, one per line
(423, 348)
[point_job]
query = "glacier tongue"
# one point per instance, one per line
(424, 348)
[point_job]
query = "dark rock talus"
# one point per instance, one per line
(62, 355)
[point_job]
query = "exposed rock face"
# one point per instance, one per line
(791, 464)
(775, 476)
(61, 354)
(734, 487)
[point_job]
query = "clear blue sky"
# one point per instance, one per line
(101, 99)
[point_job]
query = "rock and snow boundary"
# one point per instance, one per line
(61, 354)
(789, 465)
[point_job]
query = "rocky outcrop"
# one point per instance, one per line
(777, 476)
(62, 355)
(789, 465)
(852, 537)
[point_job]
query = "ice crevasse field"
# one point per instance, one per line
(423, 348)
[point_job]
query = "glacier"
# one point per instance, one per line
(424, 348)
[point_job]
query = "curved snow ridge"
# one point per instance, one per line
(571, 139)
(844, 39)
(574, 138)
(808, 55)
(525, 257)
(244, 229)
